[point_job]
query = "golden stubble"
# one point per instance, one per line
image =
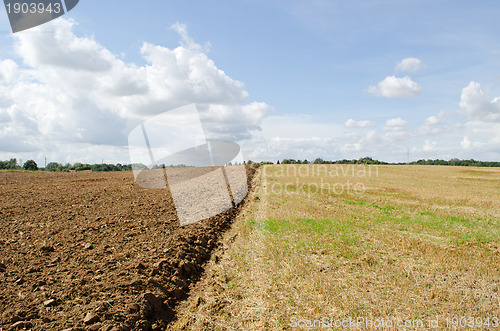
(339, 241)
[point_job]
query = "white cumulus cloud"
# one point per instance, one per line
(8, 71)
(70, 92)
(466, 143)
(432, 120)
(410, 64)
(395, 124)
(476, 104)
(396, 87)
(350, 123)
(429, 145)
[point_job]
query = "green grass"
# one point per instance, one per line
(458, 229)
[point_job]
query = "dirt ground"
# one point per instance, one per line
(94, 251)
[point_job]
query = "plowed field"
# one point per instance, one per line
(95, 251)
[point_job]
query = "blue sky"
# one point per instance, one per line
(285, 79)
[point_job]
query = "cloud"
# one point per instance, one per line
(185, 75)
(433, 125)
(55, 45)
(70, 90)
(396, 87)
(410, 64)
(350, 123)
(466, 143)
(484, 139)
(440, 136)
(432, 120)
(429, 145)
(294, 136)
(16, 124)
(301, 136)
(474, 101)
(69, 96)
(233, 122)
(8, 71)
(395, 124)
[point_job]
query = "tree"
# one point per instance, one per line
(11, 164)
(366, 160)
(81, 166)
(30, 165)
(52, 166)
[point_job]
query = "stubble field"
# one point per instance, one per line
(319, 245)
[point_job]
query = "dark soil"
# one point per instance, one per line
(94, 251)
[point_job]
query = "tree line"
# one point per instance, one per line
(364, 160)
(369, 160)
(457, 162)
(31, 165)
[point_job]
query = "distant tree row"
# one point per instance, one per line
(250, 162)
(369, 160)
(57, 167)
(12, 164)
(9, 165)
(457, 162)
(364, 160)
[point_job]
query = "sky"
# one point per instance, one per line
(392, 80)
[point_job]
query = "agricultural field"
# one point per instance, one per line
(321, 245)
(96, 251)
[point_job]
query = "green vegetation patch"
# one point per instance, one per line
(338, 237)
